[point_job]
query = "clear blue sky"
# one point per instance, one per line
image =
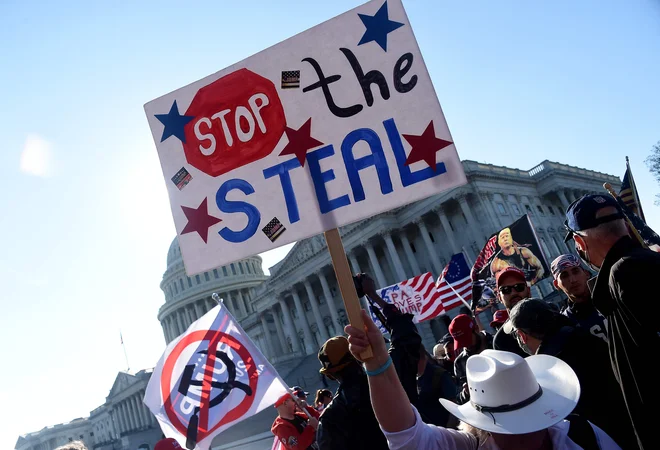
(85, 217)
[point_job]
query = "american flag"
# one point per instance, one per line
(409, 296)
(290, 79)
(453, 283)
(273, 229)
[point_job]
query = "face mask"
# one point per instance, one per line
(584, 256)
(521, 344)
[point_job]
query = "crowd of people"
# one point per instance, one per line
(579, 377)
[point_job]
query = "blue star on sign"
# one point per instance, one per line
(378, 27)
(174, 123)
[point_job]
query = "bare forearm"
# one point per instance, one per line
(390, 402)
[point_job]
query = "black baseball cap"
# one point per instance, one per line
(581, 214)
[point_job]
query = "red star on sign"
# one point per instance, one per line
(300, 141)
(199, 220)
(425, 146)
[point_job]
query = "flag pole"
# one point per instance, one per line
(128, 367)
(345, 281)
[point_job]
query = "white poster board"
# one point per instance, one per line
(331, 126)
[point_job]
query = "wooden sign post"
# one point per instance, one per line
(345, 281)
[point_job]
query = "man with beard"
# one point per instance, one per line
(623, 293)
(512, 287)
(513, 255)
(571, 278)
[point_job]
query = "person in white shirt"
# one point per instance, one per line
(515, 403)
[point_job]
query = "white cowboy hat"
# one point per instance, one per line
(512, 395)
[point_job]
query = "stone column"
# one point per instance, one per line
(315, 310)
(448, 231)
(288, 322)
(210, 303)
(166, 332)
(121, 424)
(435, 262)
(354, 262)
(230, 304)
(269, 347)
(570, 195)
(307, 331)
(175, 324)
(191, 313)
(356, 269)
(124, 411)
(330, 301)
(494, 223)
(467, 212)
(405, 243)
(131, 413)
(198, 309)
(144, 410)
(280, 333)
(138, 416)
(490, 201)
(391, 248)
(380, 277)
(179, 318)
(169, 330)
(243, 302)
(564, 201)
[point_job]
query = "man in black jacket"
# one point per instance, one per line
(543, 331)
(348, 422)
(624, 293)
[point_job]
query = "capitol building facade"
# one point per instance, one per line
(291, 312)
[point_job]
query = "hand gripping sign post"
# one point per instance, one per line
(331, 126)
(210, 378)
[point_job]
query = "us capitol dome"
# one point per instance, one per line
(189, 298)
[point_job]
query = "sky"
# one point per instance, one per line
(86, 222)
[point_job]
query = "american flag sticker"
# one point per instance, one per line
(290, 79)
(274, 229)
(182, 178)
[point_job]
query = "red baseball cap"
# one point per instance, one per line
(167, 444)
(499, 317)
(461, 330)
(513, 271)
(280, 401)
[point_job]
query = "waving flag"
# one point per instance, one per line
(210, 378)
(628, 193)
(411, 296)
(452, 288)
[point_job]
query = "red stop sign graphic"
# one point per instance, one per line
(169, 394)
(239, 119)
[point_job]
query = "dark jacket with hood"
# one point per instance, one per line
(624, 292)
(601, 401)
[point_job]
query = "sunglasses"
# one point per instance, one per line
(519, 287)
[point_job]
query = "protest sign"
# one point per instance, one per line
(516, 245)
(210, 378)
(331, 126)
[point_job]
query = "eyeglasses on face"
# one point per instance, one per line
(519, 287)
